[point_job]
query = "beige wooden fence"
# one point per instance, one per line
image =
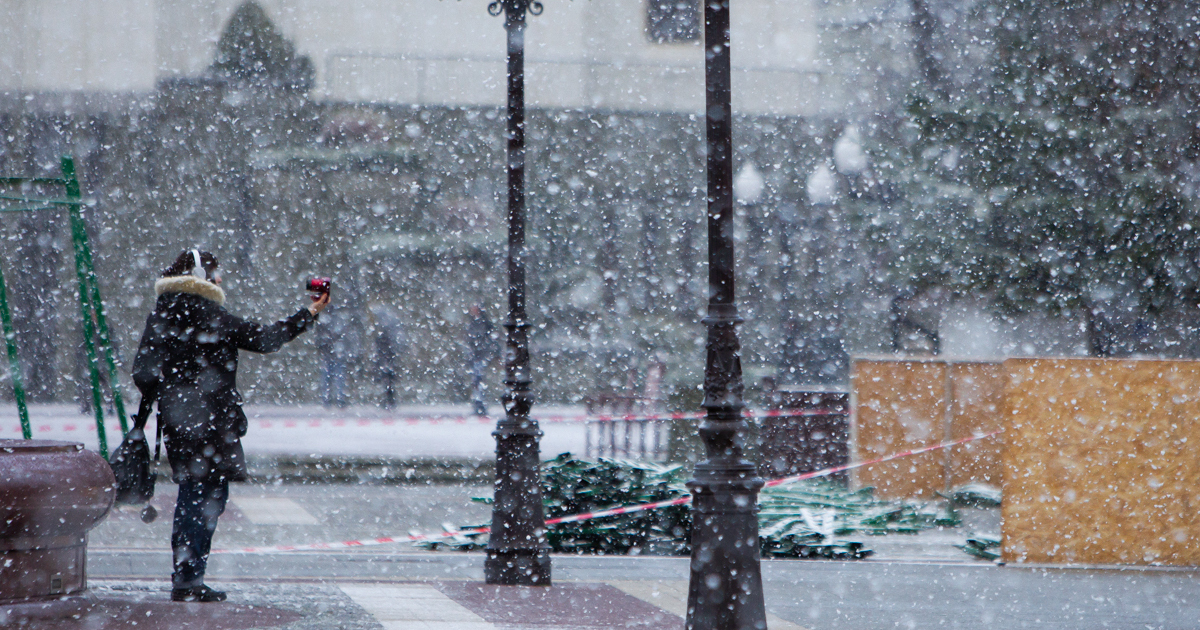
(1099, 460)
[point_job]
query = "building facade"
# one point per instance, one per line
(791, 57)
(394, 138)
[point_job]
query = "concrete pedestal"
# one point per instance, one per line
(51, 494)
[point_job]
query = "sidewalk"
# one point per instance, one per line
(913, 581)
(442, 591)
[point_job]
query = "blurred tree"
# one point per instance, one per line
(1070, 183)
(252, 51)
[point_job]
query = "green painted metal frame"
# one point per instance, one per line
(14, 364)
(91, 306)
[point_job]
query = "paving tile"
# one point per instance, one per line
(671, 596)
(274, 511)
(154, 613)
(253, 603)
(565, 605)
(413, 606)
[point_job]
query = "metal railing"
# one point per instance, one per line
(636, 438)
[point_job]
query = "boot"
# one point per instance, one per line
(200, 593)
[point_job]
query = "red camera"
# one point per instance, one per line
(320, 286)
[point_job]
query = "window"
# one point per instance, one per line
(673, 21)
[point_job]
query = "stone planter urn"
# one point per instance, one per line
(51, 494)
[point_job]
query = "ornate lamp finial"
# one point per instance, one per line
(513, 7)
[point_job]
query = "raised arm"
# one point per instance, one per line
(259, 338)
(255, 337)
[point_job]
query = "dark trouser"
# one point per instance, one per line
(197, 508)
(479, 386)
(389, 389)
(335, 381)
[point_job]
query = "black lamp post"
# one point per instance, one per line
(725, 592)
(517, 553)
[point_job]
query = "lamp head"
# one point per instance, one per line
(749, 185)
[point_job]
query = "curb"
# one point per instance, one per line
(362, 470)
(373, 470)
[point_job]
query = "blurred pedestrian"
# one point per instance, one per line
(337, 341)
(793, 355)
(652, 395)
(187, 361)
(482, 349)
(391, 342)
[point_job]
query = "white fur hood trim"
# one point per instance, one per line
(190, 284)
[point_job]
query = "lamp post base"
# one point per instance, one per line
(517, 567)
(725, 589)
(517, 554)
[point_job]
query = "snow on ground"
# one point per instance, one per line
(410, 431)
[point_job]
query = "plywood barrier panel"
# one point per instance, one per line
(1102, 462)
(898, 405)
(977, 395)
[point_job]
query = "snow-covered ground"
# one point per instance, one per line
(411, 431)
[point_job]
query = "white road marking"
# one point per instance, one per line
(671, 596)
(413, 607)
(274, 511)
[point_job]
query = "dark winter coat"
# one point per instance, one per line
(188, 357)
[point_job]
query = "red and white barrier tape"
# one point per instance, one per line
(549, 419)
(837, 469)
(293, 423)
(770, 413)
(575, 518)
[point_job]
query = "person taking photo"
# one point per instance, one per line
(187, 361)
